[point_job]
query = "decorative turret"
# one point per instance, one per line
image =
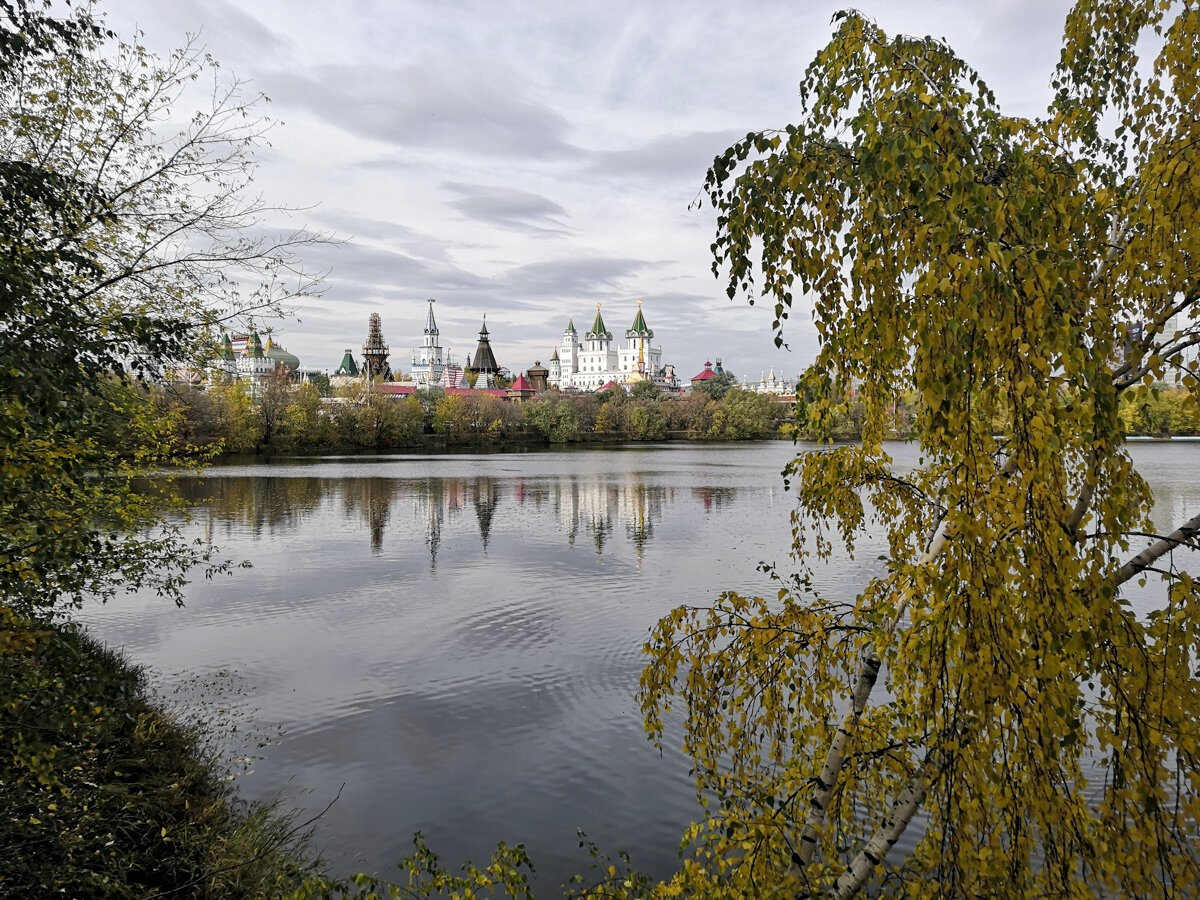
(430, 325)
(428, 367)
(226, 351)
(254, 347)
(539, 376)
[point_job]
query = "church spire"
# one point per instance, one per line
(430, 325)
(639, 328)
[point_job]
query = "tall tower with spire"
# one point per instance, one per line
(598, 359)
(428, 361)
(567, 356)
(638, 350)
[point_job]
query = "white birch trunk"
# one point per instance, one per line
(903, 809)
(868, 675)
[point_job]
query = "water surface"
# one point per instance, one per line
(453, 641)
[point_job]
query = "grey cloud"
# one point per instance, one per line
(413, 242)
(250, 37)
(684, 155)
(418, 106)
(576, 278)
(357, 269)
(508, 208)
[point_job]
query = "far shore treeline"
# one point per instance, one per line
(226, 418)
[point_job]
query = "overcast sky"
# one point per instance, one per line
(531, 159)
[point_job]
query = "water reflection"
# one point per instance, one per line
(594, 508)
(456, 639)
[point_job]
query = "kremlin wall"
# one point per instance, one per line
(600, 360)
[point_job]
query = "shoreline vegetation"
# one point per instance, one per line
(226, 419)
(105, 794)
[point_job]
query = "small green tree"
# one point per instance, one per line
(717, 386)
(645, 390)
(644, 421)
(554, 419)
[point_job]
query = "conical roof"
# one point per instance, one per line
(254, 347)
(598, 329)
(430, 325)
(226, 346)
(485, 360)
(348, 366)
(639, 327)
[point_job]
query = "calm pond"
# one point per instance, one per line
(456, 638)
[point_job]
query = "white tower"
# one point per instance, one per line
(428, 362)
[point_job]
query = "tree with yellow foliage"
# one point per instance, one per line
(993, 676)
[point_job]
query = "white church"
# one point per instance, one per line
(594, 362)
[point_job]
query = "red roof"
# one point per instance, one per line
(521, 384)
(611, 386)
(705, 375)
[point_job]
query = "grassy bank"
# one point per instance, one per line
(104, 795)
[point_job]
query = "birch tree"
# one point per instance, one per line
(991, 697)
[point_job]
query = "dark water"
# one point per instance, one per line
(457, 639)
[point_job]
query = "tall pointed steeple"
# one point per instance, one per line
(430, 325)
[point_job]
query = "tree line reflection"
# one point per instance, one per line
(596, 509)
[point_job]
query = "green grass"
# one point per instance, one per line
(104, 795)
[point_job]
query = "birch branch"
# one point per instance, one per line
(1184, 535)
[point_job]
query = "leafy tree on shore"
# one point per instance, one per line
(993, 674)
(555, 419)
(121, 244)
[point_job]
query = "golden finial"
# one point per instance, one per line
(639, 302)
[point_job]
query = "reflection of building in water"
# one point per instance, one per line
(594, 507)
(485, 495)
(265, 504)
(713, 498)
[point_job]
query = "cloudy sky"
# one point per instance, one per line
(529, 160)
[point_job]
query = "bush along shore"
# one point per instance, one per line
(287, 416)
(102, 794)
